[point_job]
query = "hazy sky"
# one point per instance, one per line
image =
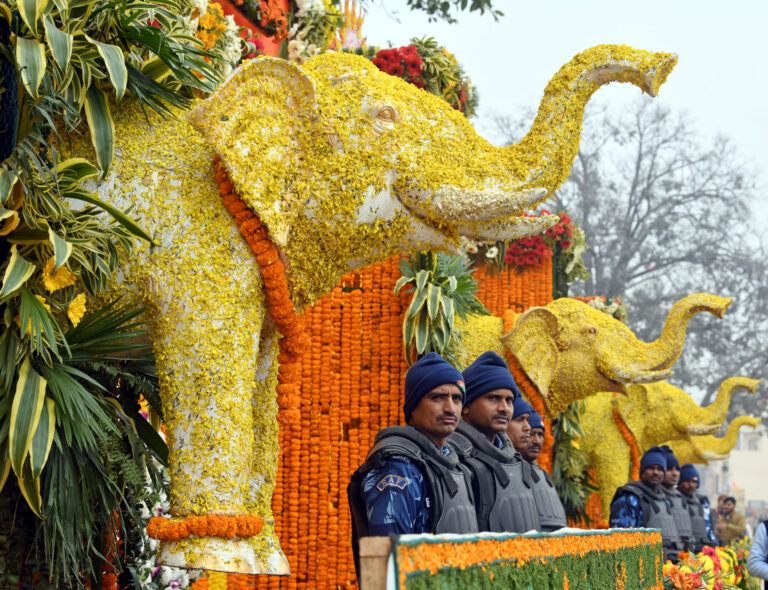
(720, 80)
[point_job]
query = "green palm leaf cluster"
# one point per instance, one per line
(569, 474)
(72, 443)
(442, 287)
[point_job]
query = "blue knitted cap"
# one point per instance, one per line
(521, 407)
(535, 420)
(425, 374)
(486, 373)
(688, 471)
(653, 456)
(671, 459)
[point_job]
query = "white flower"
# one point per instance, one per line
(492, 252)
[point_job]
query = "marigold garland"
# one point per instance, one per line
(634, 452)
(211, 525)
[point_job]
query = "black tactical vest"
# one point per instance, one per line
(681, 515)
(657, 514)
(551, 511)
(502, 481)
(699, 535)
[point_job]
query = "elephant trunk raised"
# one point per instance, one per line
(543, 158)
(650, 362)
(706, 448)
(708, 420)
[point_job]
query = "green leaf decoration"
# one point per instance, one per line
(61, 249)
(16, 274)
(5, 463)
(416, 303)
(28, 236)
(433, 300)
(59, 42)
(116, 214)
(156, 69)
(43, 438)
(30, 55)
(25, 414)
(77, 169)
(30, 489)
(115, 62)
(30, 11)
(421, 279)
(7, 180)
(101, 126)
(421, 333)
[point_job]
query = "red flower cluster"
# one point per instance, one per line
(562, 231)
(534, 250)
(257, 45)
(403, 62)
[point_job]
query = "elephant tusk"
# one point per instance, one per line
(508, 229)
(461, 204)
(637, 377)
(698, 429)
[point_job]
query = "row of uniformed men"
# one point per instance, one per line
(665, 498)
(454, 468)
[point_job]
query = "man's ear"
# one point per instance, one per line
(464, 411)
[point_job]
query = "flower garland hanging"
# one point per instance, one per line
(212, 525)
(294, 341)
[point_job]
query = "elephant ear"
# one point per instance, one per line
(260, 120)
(532, 342)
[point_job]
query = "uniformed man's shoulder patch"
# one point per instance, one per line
(392, 480)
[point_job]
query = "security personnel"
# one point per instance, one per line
(502, 479)
(411, 480)
(675, 498)
(551, 510)
(698, 509)
(643, 504)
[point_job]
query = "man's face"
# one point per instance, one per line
(672, 476)
(438, 412)
(689, 486)
(652, 476)
(728, 506)
(491, 413)
(535, 442)
(519, 431)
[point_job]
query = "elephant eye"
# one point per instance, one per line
(387, 114)
(385, 117)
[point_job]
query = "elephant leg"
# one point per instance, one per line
(612, 470)
(264, 459)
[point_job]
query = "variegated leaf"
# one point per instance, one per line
(101, 126)
(25, 414)
(61, 249)
(30, 55)
(30, 489)
(59, 42)
(17, 273)
(43, 438)
(115, 62)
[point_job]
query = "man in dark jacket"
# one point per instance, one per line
(502, 480)
(411, 481)
(551, 510)
(698, 509)
(643, 504)
(675, 498)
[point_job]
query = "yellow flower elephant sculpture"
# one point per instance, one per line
(570, 350)
(345, 166)
(653, 413)
(705, 448)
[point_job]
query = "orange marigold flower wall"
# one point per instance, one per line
(351, 387)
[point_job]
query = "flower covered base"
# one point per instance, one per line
(223, 555)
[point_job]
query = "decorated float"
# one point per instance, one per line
(254, 228)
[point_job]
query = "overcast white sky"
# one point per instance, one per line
(721, 78)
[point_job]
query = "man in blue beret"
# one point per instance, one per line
(548, 503)
(411, 480)
(642, 504)
(698, 509)
(502, 479)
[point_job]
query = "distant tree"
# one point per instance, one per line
(444, 9)
(667, 213)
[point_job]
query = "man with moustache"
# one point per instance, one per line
(698, 509)
(502, 480)
(411, 480)
(642, 504)
(551, 510)
(675, 498)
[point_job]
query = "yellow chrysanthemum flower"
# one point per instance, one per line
(55, 280)
(76, 309)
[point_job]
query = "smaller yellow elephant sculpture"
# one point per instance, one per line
(706, 448)
(571, 351)
(651, 414)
